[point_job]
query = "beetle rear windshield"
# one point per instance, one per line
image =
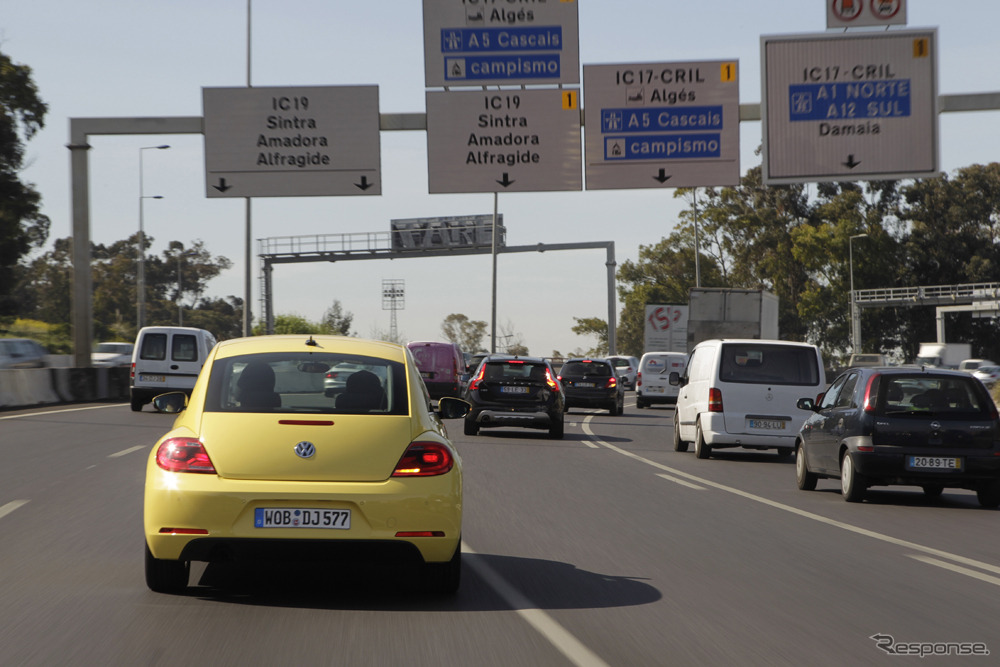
(769, 364)
(297, 382)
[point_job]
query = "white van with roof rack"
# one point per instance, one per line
(166, 359)
(743, 393)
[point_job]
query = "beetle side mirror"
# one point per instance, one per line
(172, 403)
(450, 407)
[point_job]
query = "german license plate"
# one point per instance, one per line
(146, 377)
(933, 463)
(767, 424)
(513, 390)
(297, 517)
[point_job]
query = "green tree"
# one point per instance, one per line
(291, 324)
(22, 225)
(587, 326)
(336, 321)
(468, 334)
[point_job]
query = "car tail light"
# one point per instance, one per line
(714, 400)
(184, 455)
(474, 384)
(871, 393)
(131, 373)
(549, 380)
(612, 383)
(424, 459)
(638, 379)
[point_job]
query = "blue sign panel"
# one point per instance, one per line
(662, 119)
(514, 67)
(500, 40)
(833, 101)
(663, 146)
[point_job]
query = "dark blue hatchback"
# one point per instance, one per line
(931, 428)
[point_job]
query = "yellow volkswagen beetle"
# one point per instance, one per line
(262, 463)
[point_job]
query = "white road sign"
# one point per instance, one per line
(655, 125)
(504, 140)
(850, 106)
(858, 13)
(481, 42)
(292, 142)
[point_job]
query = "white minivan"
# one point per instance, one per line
(652, 383)
(166, 359)
(743, 393)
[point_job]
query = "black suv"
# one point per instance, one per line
(592, 383)
(931, 428)
(515, 391)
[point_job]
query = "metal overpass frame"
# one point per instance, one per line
(378, 245)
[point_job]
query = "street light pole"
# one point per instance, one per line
(140, 282)
(855, 316)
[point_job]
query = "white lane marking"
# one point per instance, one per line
(586, 429)
(809, 515)
(56, 412)
(675, 480)
(557, 635)
(11, 506)
(126, 452)
(961, 570)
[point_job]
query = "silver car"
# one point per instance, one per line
(627, 369)
(21, 353)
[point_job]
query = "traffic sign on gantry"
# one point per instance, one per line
(499, 42)
(292, 142)
(662, 125)
(849, 106)
(503, 140)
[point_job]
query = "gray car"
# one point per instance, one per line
(627, 369)
(21, 353)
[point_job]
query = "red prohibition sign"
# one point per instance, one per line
(848, 10)
(885, 9)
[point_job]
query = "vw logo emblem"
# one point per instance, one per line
(305, 449)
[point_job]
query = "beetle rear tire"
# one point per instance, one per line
(444, 578)
(166, 576)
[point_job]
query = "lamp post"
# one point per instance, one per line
(855, 319)
(140, 282)
(180, 301)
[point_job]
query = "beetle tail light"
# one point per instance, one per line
(424, 459)
(184, 455)
(715, 400)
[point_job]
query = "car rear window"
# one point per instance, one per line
(937, 395)
(769, 364)
(575, 368)
(154, 347)
(502, 371)
(293, 382)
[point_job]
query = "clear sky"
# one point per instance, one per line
(125, 58)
